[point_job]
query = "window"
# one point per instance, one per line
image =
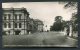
(15, 16)
(19, 16)
(19, 25)
(9, 32)
(9, 15)
(15, 25)
(5, 25)
(9, 25)
(5, 16)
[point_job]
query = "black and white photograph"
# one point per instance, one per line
(39, 24)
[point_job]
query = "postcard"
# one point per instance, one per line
(39, 24)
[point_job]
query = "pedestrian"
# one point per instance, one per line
(68, 31)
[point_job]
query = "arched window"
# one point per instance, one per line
(15, 25)
(19, 25)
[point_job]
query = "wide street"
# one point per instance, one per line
(39, 39)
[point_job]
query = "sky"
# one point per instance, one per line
(45, 11)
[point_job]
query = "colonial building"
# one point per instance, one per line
(15, 21)
(39, 25)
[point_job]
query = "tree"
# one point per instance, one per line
(58, 18)
(69, 4)
(58, 24)
(74, 20)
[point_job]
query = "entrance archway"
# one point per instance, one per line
(17, 32)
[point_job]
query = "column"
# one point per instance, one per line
(65, 31)
(70, 34)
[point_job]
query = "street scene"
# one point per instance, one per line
(40, 24)
(45, 39)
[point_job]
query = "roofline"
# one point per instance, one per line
(14, 8)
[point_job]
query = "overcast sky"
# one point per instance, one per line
(45, 11)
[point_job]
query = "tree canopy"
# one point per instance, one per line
(58, 24)
(70, 4)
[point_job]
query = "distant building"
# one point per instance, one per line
(32, 26)
(39, 25)
(15, 21)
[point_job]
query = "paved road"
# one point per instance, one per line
(55, 39)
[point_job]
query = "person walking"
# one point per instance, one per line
(68, 31)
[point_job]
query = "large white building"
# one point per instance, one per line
(15, 21)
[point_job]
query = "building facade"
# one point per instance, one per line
(39, 25)
(32, 26)
(15, 21)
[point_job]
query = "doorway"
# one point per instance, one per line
(17, 32)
